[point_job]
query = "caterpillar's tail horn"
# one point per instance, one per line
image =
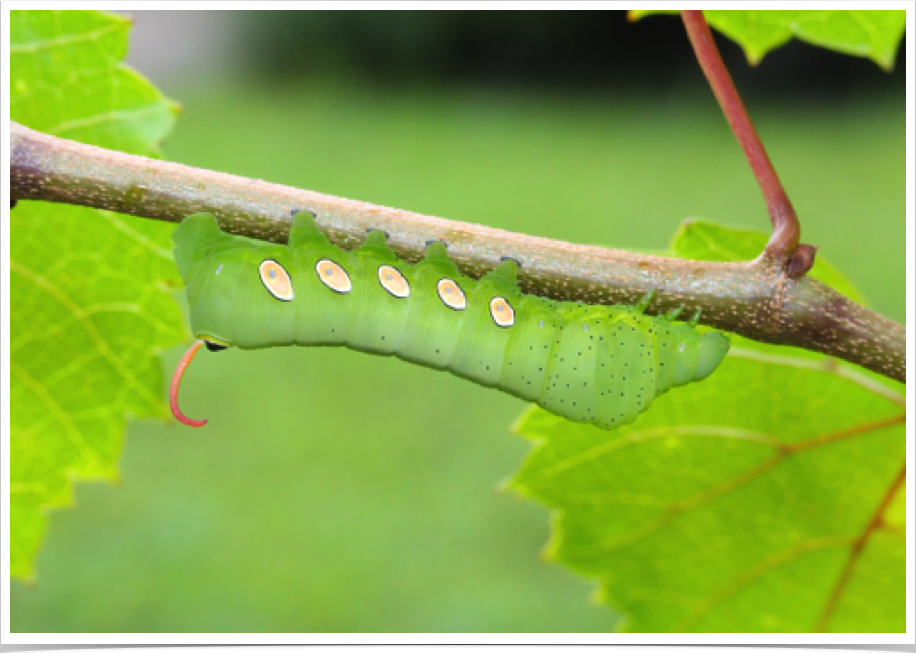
(176, 381)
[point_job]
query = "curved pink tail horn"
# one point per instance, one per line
(176, 381)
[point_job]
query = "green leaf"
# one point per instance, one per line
(767, 498)
(704, 240)
(736, 504)
(875, 35)
(66, 79)
(90, 298)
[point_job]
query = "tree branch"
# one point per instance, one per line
(786, 229)
(756, 299)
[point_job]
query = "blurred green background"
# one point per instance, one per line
(334, 491)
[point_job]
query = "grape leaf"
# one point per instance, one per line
(875, 35)
(90, 301)
(767, 498)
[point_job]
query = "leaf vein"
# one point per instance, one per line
(102, 118)
(55, 409)
(635, 437)
(132, 233)
(855, 553)
(677, 508)
(90, 329)
(828, 365)
(768, 564)
(62, 41)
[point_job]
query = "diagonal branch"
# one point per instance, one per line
(756, 299)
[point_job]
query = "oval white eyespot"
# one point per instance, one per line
(393, 281)
(333, 276)
(451, 294)
(276, 280)
(502, 313)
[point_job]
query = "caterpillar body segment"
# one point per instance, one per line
(602, 365)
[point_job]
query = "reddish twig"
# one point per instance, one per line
(786, 229)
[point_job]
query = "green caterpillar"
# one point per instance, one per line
(597, 364)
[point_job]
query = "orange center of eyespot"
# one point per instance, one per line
(333, 276)
(451, 295)
(393, 281)
(502, 312)
(276, 280)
